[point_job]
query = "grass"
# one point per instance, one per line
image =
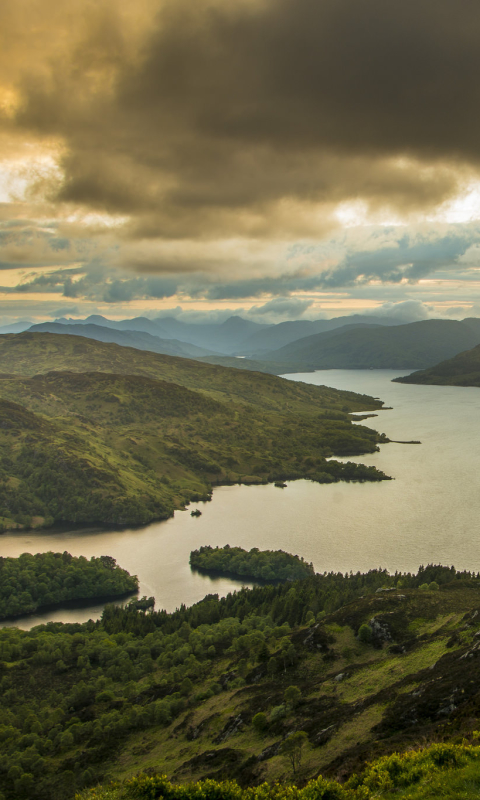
(389, 670)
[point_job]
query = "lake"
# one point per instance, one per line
(429, 513)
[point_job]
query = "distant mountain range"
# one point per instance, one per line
(355, 342)
(224, 337)
(276, 336)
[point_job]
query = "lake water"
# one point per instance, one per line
(429, 513)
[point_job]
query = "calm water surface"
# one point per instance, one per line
(429, 513)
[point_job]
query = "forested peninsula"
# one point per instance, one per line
(31, 582)
(462, 370)
(96, 433)
(267, 565)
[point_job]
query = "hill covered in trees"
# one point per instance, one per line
(267, 565)
(86, 444)
(462, 370)
(31, 582)
(362, 665)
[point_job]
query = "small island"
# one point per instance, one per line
(32, 582)
(266, 565)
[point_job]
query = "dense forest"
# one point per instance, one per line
(117, 449)
(268, 565)
(215, 690)
(29, 582)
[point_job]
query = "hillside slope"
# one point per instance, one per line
(31, 353)
(462, 370)
(365, 665)
(99, 447)
(417, 344)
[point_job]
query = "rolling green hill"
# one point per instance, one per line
(31, 353)
(462, 370)
(416, 344)
(108, 448)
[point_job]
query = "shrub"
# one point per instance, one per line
(365, 634)
(277, 712)
(260, 722)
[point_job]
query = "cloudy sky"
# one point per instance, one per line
(285, 158)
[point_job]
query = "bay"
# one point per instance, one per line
(428, 513)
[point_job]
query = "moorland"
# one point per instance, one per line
(96, 433)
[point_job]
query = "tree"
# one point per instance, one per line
(292, 696)
(365, 634)
(292, 748)
(260, 722)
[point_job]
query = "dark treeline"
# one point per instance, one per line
(285, 603)
(30, 582)
(268, 565)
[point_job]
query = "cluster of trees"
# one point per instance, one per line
(268, 565)
(31, 581)
(71, 694)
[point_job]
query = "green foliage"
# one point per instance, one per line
(29, 582)
(260, 722)
(292, 696)
(268, 565)
(292, 748)
(76, 700)
(365, 634)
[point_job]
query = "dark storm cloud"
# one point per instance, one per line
(234, 108)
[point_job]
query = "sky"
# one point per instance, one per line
(275, 158)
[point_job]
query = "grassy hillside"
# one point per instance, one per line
(33, 353)
(365, 665)
(462, 370)
(100, 447)
(417, 344)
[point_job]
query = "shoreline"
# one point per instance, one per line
(84, 602)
